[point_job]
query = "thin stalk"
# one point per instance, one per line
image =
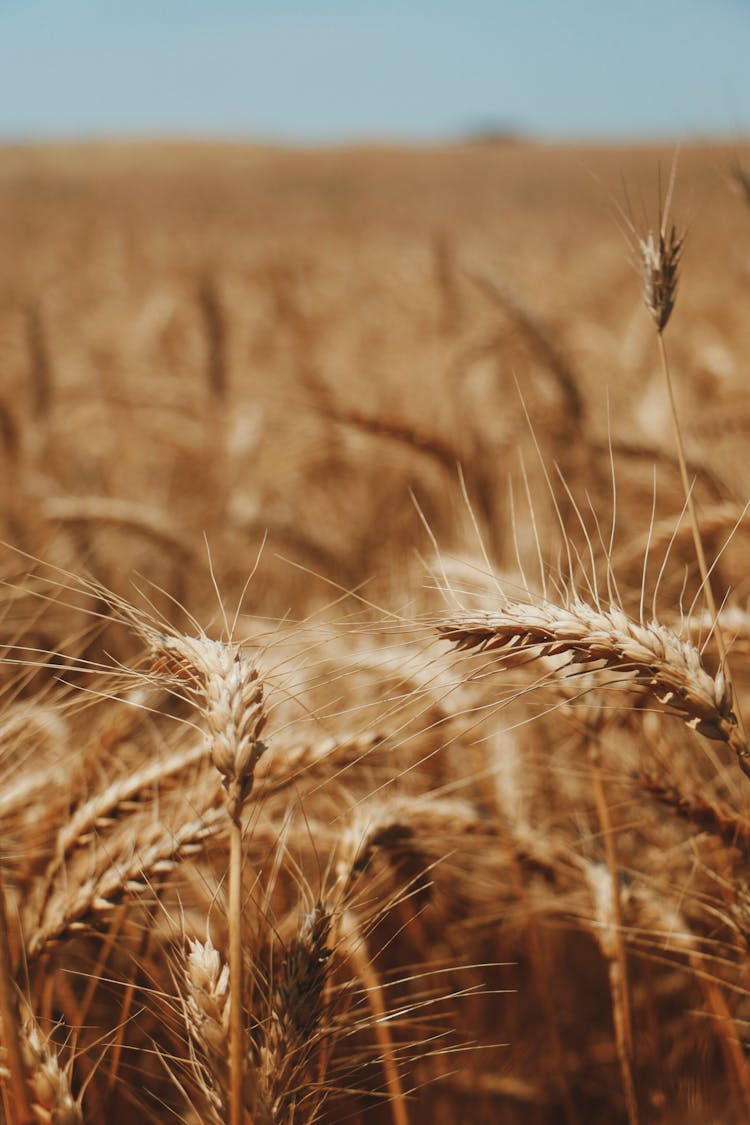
(237, 1074)
(731, 1043)
(618, 966)
(626, 1070)
(113, 932)
(610, 851)
(543, 986)
(21, 1113)
(127, 1005)
(700, 554)
(369, 978)
(229, 691)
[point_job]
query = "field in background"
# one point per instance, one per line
(277, 361)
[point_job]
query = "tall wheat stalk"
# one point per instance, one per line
(661, 255)
(230, 694)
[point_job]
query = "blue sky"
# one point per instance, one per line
(330, 70)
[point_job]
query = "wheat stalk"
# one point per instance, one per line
(660, 257)
(608, 932)
(230, 694)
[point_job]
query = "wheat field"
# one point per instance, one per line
(372, 747)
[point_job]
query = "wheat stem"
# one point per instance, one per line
(357, 952)
(618, 962)
(608, 918)
(610, 850)
(236, 1006)
(731, 1044)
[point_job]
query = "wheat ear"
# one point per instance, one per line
(207, 1006)
(393, 827)
(111, 511)
(229, 691)
(660, 258)
(129, 873)
(651, 655)
(293, 1029)
(731, 827)
(105, 808)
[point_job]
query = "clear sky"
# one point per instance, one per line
(332, 70)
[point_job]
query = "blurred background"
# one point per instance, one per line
(343, 228)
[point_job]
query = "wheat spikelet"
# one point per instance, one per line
(214, 324)
(206, 981)
(41, 375)
(50, 1098)
(734, 621)
(546, 348)
(32, 734)
(408, 832)
(431, 445)
(719, 519)
(660, 261)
